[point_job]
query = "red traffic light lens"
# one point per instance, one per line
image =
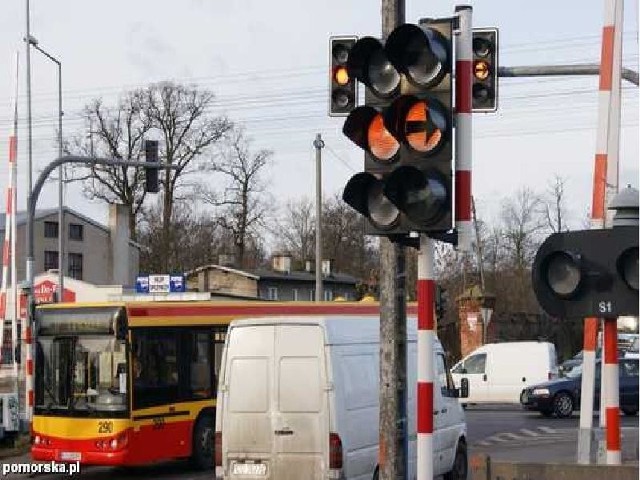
(628, 268)
(424, 127)
(381, 143)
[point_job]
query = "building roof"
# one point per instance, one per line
(304, 276)
(212, 266)
(296, 276)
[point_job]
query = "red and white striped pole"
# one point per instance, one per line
(463, 142)
(610, 390)
(426, 334)
(587, 385)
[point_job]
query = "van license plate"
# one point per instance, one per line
(249, 469)
(70, 456)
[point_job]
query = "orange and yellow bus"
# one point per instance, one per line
(133, 383)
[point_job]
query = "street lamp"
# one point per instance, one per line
(34, 43)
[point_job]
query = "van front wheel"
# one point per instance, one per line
(459, 470)
(202, 451)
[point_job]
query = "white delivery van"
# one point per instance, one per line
(497, 372)
(298, 399)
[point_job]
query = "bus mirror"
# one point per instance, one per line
(464, 388)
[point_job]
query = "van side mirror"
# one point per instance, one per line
(464, 388)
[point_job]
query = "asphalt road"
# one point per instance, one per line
(505, 432)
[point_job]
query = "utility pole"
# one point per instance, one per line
(393, 330)
(318, 144)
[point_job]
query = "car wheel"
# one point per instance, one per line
(630, 411)
(202, 450)
(563, 405)
(459, 470)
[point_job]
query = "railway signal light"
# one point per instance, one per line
(151, 173)
(343, 88)
(404, 129)
(484, 89)
(588, 273)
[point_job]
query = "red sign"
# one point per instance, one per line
(44, 292)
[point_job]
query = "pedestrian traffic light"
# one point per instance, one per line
(588, 273)
(342, 87)
(484, 90)
(151, 173)
(404, 129)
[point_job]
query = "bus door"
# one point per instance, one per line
(161, 425)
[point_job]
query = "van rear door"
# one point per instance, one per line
(276, 420)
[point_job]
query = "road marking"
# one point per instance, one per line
(547, 429)
(531, 433)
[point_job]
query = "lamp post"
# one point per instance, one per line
(33, 42)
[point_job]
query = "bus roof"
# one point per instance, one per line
(160, 313)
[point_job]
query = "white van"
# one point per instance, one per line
(497, 372)
(298, 398)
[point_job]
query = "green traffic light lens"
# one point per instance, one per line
(628, 267)
(563, 274)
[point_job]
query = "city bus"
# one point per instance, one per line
(132, 383)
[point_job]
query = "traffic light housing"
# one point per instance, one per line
(404, 129)
(588, 273)
(342, 87)
(484, 89)
(151, 173)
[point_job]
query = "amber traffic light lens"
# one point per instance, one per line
(481, 70)
(341, 76)
(382, 144)
(424, 127)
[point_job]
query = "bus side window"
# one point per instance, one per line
(201, 365)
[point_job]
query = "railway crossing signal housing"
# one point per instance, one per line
(588, 273)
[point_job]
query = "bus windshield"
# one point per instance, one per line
(80, 372)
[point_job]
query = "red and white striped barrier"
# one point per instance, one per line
(587, 385)
(426, 334)
(463, 142)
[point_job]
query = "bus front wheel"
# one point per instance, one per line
(202, 452)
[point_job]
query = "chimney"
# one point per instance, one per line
(282, 262)
(119, 239)
(327, 268)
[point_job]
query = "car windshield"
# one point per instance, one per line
(81, 373)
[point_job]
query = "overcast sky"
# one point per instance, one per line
(267, 64)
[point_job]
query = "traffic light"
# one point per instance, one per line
(343, 88)
(484, 91)
(588, 273)
(151, 173)
(404, 129)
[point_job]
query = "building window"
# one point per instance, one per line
(75, 265)
(76, 232)
(51, 229)
(328, 295)
(295, 294)
(50, 259)
(272, 293)
(312, 295)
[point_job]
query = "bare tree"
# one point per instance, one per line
(116, 132)
(296, 229)
(554, 206)
(242, 206)
(522, 224)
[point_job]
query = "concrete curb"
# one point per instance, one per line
(482, 467)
